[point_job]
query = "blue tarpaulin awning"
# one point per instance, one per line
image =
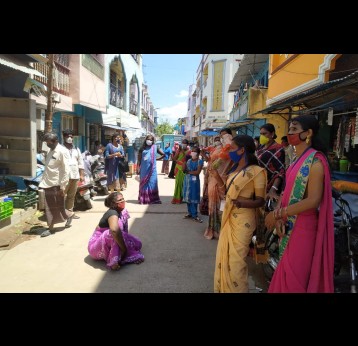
(208, 133)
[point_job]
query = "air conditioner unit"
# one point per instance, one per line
(56, 98)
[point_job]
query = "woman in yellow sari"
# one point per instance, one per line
(245, 189)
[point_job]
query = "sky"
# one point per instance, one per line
(168, 77)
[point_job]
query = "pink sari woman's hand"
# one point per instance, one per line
(280, 228)
(270, 221)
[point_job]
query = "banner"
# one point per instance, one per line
(218, 83)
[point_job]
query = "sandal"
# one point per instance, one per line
(187, 216)
(197, 219)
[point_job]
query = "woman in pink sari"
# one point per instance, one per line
(304, 220)
(111, 241)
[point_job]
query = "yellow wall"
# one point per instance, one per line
(301, 69)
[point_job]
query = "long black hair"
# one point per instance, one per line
(270, 128)
(310, 122)
(247, 142)
(144, 145)
(111, 200)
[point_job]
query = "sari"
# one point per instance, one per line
(214, 195)
(307, 251)
(102, 245)
(111, 166)
(191, 186)
(237, 227)
(179, 177)
(148, 185)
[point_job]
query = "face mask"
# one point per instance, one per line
(264, 140)
(148, 142)
(234, 156)
(194, 155)
(295, 138)
(216, 143)
(51, 145)
(122, 205)
(69, 140)
(184, 146)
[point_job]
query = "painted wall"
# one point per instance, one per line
(231, 66)
(86, 88)
(293, 73)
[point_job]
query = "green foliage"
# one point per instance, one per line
(164, 128)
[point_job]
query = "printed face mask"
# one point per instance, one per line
(295, 138)
(148, 142)
(69, 140)
(263, 140)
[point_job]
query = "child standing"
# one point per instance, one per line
(191, 189)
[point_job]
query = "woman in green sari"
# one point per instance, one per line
(180, 158)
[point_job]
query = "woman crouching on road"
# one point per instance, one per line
(111, 240)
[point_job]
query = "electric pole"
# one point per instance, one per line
(49, 112)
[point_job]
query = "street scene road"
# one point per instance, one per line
(178, 259)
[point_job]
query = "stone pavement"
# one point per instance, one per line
(177, 256)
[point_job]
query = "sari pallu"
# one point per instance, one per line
(148, 187)
(307, 262)
(179, 178)
(102, 245)
(238, 225)
(214, 195)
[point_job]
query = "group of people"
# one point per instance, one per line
(303, 217)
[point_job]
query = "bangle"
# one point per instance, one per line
(274, 187)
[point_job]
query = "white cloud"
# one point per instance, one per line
(172, 113)
(183, 93)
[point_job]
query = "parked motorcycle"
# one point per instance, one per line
(346, 246)
(83, 196)
(99, 176)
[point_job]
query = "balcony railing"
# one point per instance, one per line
(61, 76)
(133, 106)
(116, 99)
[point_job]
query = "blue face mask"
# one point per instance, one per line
(234, 156)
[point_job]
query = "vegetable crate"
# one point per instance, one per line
(24, 199)
(6, 208)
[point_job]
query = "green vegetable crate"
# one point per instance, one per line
(24, 199)
(6, 208)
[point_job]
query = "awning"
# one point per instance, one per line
(208, 133)
(250, 66)
(236, 124)
(34, 87)
(22, 68)
(115, 127)
(338, 94)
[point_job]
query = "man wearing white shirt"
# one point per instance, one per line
(76, 173)
(54, 182)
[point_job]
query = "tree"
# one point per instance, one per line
(164, 128)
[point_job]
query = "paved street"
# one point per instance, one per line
(177, 256)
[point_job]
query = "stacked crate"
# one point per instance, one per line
(6, 208)
(23, 199)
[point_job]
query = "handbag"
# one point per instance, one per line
(204, 205)
(123, 166)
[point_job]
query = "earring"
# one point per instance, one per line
(308, 140)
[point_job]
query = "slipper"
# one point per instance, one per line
(68, 222)
(46, 233)
(197, 219)
(187, 216)
(75, 217)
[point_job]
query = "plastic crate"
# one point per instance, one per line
(6, 208)
(23, 199)
(7, 186)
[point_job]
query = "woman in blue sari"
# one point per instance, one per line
(147, 168)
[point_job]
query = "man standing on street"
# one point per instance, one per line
(54, 182)
(76, 173)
